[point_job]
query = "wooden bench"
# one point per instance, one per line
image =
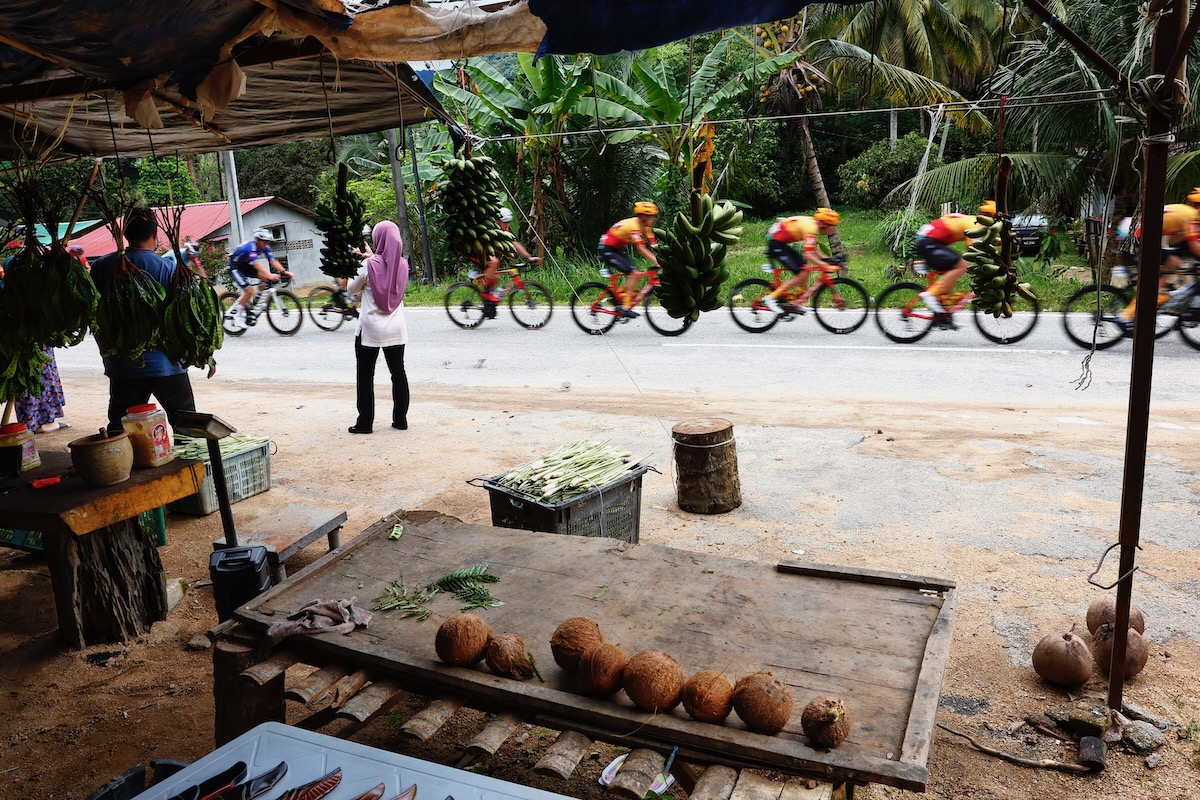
(287, 530)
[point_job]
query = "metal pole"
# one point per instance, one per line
(237, 233)
(218, 473)
(1154, 188)
(398, 188)
(412, 148)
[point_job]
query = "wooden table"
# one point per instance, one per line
(107, 577)
(878, 640)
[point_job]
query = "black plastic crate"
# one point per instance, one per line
(613, 510)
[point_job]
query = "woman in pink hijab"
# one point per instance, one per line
(382, 281)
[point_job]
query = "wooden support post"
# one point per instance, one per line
(426, 722)
(561, 758)
(637, 773)
(706, 466)
(370, 700)
(316, 684)
(108, 585)
(715, 783)
(241, 705)
(269, 669)
(753, 786)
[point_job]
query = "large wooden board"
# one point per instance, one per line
(878, 640)
(72, 507)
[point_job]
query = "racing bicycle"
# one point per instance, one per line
(330, 306)
(1095, 312)
(595, 305)
(903, 317)
(283, 310)
(840, 304)
(529, 302)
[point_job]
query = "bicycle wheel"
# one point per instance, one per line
(745, 304)
(323, 308)
(1008, 330)
(592, 309)
(233, 325)
(842, 307)
(900, 314)
(1189, 327)
(464, 304)
(1093, 313)
(285, 314)
(532, 306)
(660, 320)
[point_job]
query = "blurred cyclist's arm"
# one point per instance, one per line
(646, 252)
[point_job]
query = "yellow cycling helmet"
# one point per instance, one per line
(645, 207)
(827, 216)
(1194, 196)
(988, 208)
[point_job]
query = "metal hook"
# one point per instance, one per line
(1101, 565)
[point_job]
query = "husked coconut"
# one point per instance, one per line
(601, 669)
(708, 696)
(1104, 609)
(1136, 651)
(462, 640)
(1063, 658)
(762, 702)
(507, 656)
(574, 637)
(653, 681)
(826, 721)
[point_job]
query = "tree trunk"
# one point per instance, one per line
(706, 464)
(893, 127)
(814, 174)
(397, 166)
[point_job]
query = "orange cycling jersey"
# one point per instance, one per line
(949, 229)
(796, 229)
(1180, 222)
(627, 232)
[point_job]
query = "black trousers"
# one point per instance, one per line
(173, 393)
(366, 358)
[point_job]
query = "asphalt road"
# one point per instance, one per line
(794, 360)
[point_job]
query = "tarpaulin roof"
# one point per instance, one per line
(206, 75)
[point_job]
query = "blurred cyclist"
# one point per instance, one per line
(1180, 237)
(934, 241)
(637, 231)
(780, 237)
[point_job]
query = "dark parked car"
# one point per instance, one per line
(1028, 230)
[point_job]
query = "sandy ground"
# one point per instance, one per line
(1015, 505)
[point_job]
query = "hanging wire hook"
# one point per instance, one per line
(1095, 572)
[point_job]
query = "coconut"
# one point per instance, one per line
(762, 702)
(1104, 609)
(601, 669)
(462, 640)
(708, 696)
(826, 721)
(1136, 652)
(1063, 658)
(574, 637)
(653, 681)
(507, 656)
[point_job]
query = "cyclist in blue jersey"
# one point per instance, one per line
(253, 261)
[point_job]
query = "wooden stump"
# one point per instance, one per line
(706, 466)
(108, 585)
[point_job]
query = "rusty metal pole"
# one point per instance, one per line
(1154, 186)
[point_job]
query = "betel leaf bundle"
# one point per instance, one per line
(470, 197)
(191, 330)
(129, 316)
(341, 221)
(692, 257)
(49, 296)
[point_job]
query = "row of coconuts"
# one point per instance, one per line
(1066, 658)
(652, 680)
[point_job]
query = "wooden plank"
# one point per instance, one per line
(426, 722)
(72, 507)
(370, 700)
(271, 668)
(865, 575)
(637, 774)
(495, 733)
(715, 783)
(288, 529)
(346, 688)
(564, 755)
(918, 736)
(753, 786)
(802, 789)
(819, 634)
(315, 685)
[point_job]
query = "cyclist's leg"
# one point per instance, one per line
(792, 261)
(1169, 263)
(246, 285)
(949, 265)
(491, 269)
(622, 263)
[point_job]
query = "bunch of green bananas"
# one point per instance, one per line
(341, 221)
(993, 277)
(692, 257)
(192, 330)
(471, 199)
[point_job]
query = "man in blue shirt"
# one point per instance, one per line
(251, 261)
(131, 384)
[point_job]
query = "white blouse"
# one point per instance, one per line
(376, 328)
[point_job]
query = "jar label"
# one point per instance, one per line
(29, 455)
(162, 441)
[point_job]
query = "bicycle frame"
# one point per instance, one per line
(916, 308)
(512, 273)
(781, 275)
(615, 279)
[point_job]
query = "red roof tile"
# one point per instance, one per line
(199, 221)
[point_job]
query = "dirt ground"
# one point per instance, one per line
(1018, 518)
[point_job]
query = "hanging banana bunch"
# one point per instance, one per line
(341, 221)
(471, 196)
(993, 277)
(692, 257)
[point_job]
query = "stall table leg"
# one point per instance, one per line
(241, 704)
(108, 585)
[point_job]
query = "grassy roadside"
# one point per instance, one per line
(870, 258)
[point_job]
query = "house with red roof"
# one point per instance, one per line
(297, 239)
